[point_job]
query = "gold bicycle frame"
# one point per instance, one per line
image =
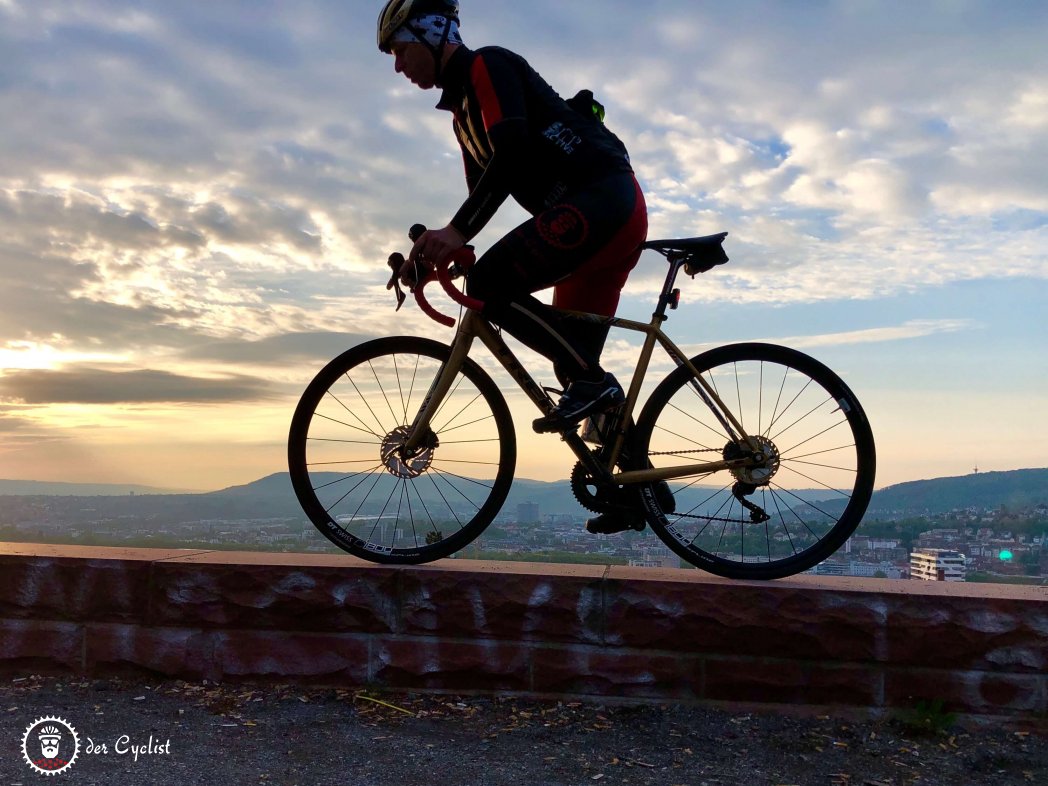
(473, 326)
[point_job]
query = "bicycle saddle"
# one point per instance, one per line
(699, 254)
(691, 245)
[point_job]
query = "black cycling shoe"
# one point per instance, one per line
(579, 401)
(612, 523)
(621, 520)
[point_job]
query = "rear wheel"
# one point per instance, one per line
(359, 484)
(804, 482)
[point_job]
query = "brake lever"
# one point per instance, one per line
(456, 267)
(396, 261)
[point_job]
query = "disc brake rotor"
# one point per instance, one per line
(401, 463)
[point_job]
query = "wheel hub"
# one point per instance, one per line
(765, 461)
(402, 463)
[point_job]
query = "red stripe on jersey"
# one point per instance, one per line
(490, 108)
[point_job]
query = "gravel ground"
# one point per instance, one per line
(274, 734)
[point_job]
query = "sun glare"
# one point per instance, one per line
(30, 355)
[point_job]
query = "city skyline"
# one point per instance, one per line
(197, 201)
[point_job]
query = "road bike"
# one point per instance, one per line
(750, 460)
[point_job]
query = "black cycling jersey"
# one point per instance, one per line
(519, 138)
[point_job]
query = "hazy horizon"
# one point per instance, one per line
(138, 488)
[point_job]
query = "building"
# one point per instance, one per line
(937, 565)
(656, 555)
(528, 513)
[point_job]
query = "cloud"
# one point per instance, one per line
(278, 350)
(621, 354)
(912, 329)
(104, 386)
(221, 183)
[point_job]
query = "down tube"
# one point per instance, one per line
(444, 380)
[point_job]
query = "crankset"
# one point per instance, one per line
(598, 496)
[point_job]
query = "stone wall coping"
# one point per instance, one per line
(1031, 593)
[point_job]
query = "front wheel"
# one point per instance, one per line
(360, 485)
(782, 512)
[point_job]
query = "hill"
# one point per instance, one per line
(272, 497)
(43, 488)
(1021, 488)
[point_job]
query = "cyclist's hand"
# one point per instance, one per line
(411, 273)
(436, 245)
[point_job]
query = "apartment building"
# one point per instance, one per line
(937, 565)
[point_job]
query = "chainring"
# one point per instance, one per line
(581, 483)
(603, 499)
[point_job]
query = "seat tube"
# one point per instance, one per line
(650, 337)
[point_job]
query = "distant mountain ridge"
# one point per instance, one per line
(1020, 488)
(45, 488)
(273, 495)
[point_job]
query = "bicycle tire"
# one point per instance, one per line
(814, 488)
(369, 498)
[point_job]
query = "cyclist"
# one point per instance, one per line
(519, 138)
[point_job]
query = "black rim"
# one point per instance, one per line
(355, 481)
(804, 500)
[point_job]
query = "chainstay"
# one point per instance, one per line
(719, 519)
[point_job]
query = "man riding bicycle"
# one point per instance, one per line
(520, 139)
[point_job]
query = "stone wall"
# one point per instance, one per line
(867, 644)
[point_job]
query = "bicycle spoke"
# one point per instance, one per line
(366, 429)
(780, 506)
(360, 484)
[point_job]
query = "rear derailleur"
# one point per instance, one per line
(742, 490)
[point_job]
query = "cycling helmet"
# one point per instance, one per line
(396, 12)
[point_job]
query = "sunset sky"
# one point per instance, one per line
(197, 200)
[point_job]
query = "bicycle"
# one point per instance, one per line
(749, 461)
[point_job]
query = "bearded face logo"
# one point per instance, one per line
(50, 739)
(56, 741)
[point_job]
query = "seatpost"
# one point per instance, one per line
(670, 297)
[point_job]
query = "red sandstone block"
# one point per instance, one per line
(324, 657)
(557, 606)
(213, 593)
(67, 588)
(968, 633)
(743, 618)
(976, 692)
(790, 682)
(33, 645)
(171, 652)
(435, 664)
(597, 671)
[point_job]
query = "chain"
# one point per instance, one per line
(682, 452)
(711, 518)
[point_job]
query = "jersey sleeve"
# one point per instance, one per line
(499, 89)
